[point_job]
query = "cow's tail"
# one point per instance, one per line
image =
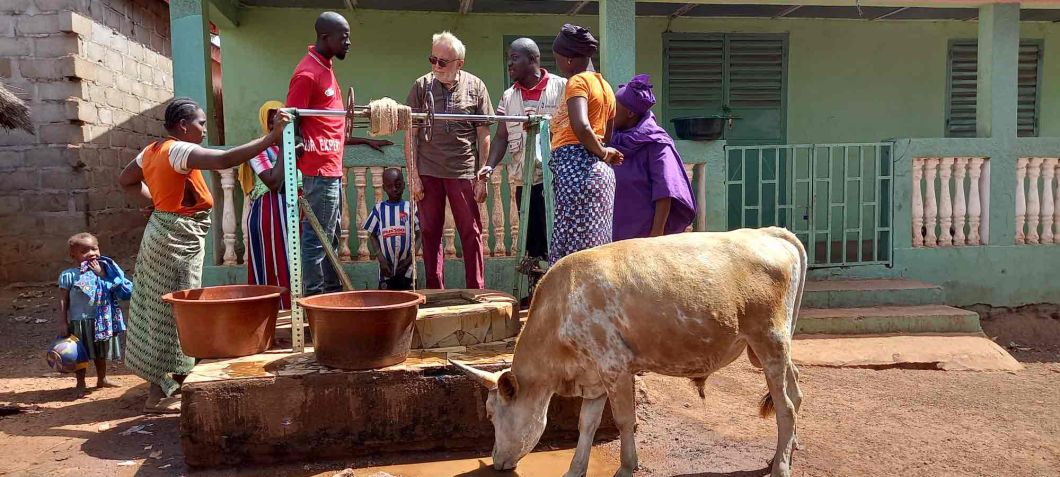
(765, 405)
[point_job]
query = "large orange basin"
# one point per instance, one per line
(225, 321)
(364, 329)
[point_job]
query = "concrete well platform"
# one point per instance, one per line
(283, 406)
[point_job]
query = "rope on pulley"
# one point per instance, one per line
(388, 117)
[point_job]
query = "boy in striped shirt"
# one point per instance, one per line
(389, 225)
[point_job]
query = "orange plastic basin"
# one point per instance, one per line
(364, 329)
(226, 321)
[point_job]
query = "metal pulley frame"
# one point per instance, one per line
(359, 116)
(538, 130)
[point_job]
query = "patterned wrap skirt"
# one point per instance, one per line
(584, 190)
(171, 259)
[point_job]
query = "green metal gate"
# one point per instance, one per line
(835, 197)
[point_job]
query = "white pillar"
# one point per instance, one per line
(960, 203)
(931, 210)
(918, 202)
(1034, 207)
(228, 217)
(945, 203)
(1048, 207)
(975, 201)
(1021, 200)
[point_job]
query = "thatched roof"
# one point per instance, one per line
(14, 114)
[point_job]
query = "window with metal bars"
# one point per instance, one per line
(961, 78)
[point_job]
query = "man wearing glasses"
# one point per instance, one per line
(444, 167)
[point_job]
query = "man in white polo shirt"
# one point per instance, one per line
(534, 91)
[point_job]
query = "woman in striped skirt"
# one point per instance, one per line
(267, 221)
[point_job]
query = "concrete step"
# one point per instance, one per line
(948, 352)
(865, 293)
(887, 319)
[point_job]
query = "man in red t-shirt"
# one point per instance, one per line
(313, 86)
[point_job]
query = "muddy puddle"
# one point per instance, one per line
(537, 464)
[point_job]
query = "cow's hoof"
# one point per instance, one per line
(624, 472)
(780, 471)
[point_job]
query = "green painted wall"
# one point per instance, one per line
(847, 81)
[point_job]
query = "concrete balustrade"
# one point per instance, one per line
(500, 224)
(949, 199)
(1037, 200)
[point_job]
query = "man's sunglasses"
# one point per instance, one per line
(438, 61)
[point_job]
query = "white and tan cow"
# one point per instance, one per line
(680, 305)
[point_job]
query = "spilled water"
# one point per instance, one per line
(246, 369)
(538, 464)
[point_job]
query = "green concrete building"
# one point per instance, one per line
(898, 139)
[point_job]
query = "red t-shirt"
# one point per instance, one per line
(313, 86)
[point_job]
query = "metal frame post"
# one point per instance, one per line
(294, 242)
(539, 138)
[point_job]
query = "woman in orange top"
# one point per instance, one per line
(583, 182)
(167, 178)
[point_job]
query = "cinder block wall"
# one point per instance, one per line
(96, 75)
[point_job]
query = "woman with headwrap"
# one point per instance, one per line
(167, 176)
(583, 182)
(267, 221)
(656, 196)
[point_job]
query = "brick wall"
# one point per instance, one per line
(96, 75)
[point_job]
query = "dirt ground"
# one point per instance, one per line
(892, 422)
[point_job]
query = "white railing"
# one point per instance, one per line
(500, 224)
(1037, 200)
(951, 197)
(499, 230)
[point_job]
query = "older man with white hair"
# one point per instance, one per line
(444, 167)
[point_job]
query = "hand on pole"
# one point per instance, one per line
(279, 121)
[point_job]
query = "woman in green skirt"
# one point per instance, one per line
(167, 177)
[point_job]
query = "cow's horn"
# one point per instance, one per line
(485, 378)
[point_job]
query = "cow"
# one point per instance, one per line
(679, 305)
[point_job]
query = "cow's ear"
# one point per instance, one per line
(507, 386)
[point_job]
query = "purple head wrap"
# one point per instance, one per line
(636, 95)
(575, 41)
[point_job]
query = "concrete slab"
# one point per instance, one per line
(870, 292)
(942, 352)
(887, 319)
(461, 317)
(283, 406)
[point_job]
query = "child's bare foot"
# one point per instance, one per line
(80, 390)
(105, 383)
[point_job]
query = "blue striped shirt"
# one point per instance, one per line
(389, 222)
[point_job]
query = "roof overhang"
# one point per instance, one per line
(1031, 10)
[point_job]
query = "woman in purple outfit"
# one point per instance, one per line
(654, 194)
